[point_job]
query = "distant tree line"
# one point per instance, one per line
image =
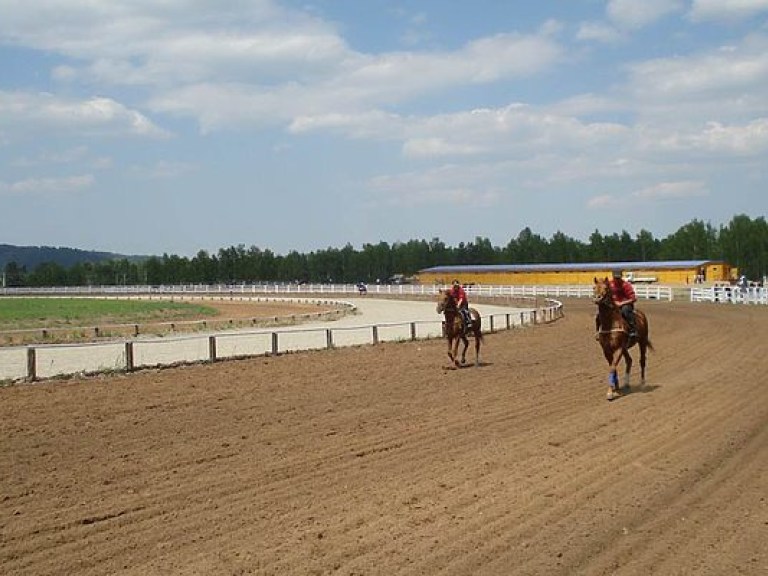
(743, 242)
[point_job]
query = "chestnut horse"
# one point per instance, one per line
(454, 328)
(613, 336)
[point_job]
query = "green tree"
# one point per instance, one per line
(14, 274)
(744, 244)
(693, 241)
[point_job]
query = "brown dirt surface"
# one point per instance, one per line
(379, 460)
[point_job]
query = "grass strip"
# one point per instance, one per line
(21, 313)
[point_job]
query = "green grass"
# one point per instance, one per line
(18, 313)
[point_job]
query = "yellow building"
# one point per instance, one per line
(669, 272)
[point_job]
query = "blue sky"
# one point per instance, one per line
(145, 127)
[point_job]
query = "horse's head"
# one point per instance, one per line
(601, 293)
(445, 301)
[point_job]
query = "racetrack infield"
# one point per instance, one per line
(380, 460)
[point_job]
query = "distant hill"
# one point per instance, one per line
(33, 256)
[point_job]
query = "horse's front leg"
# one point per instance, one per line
(614, 357)
(464, 351)
(450, 351)
(453, 351)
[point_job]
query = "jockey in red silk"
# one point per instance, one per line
(461, 302)
(624, 298)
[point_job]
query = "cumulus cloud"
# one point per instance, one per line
(66, 185)
(598, 32)
(449, 185)
(703, 75)
(431, 147)
(164, 169)
(265, 63)
(515, 130)
(673, 98)
(657, 193)
(726, 9)
(633, 14)
(671, 191)
(251, 64)
(50, 112)
(361, 88)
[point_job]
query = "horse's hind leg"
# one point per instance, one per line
(477, 350)
(643, 350)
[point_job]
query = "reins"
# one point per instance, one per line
(605, 302)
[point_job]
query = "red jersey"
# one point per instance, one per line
(622, 291)
(459, 294)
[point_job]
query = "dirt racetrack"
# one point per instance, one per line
(380, 460)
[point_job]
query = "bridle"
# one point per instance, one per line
(447, 304)
(604, 298)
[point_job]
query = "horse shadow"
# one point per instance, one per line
(640, 389)
(481, 364)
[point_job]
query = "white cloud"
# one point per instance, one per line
(158, 44)
(164, 169)
(715, 139)
(651, 195)
(604, 201)
(638, 14)
(671, 191)
(448, 185)
(728, 85)
(241, 62)
(700, 76)
(512, 131)
(726, 9)
(598, 32)
(78, 155)
(363, 84)
(102, 115)
(438, 147)
(65, 185)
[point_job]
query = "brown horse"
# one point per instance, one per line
(613, 336)
(454, 328)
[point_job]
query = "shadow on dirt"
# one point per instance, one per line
(644, 389)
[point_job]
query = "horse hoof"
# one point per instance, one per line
(611, 395)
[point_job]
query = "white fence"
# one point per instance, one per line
(570, 291)
(730, 295)
(45, 361)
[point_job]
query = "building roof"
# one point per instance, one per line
(570, 267)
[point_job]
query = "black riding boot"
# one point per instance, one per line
(629, 316)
